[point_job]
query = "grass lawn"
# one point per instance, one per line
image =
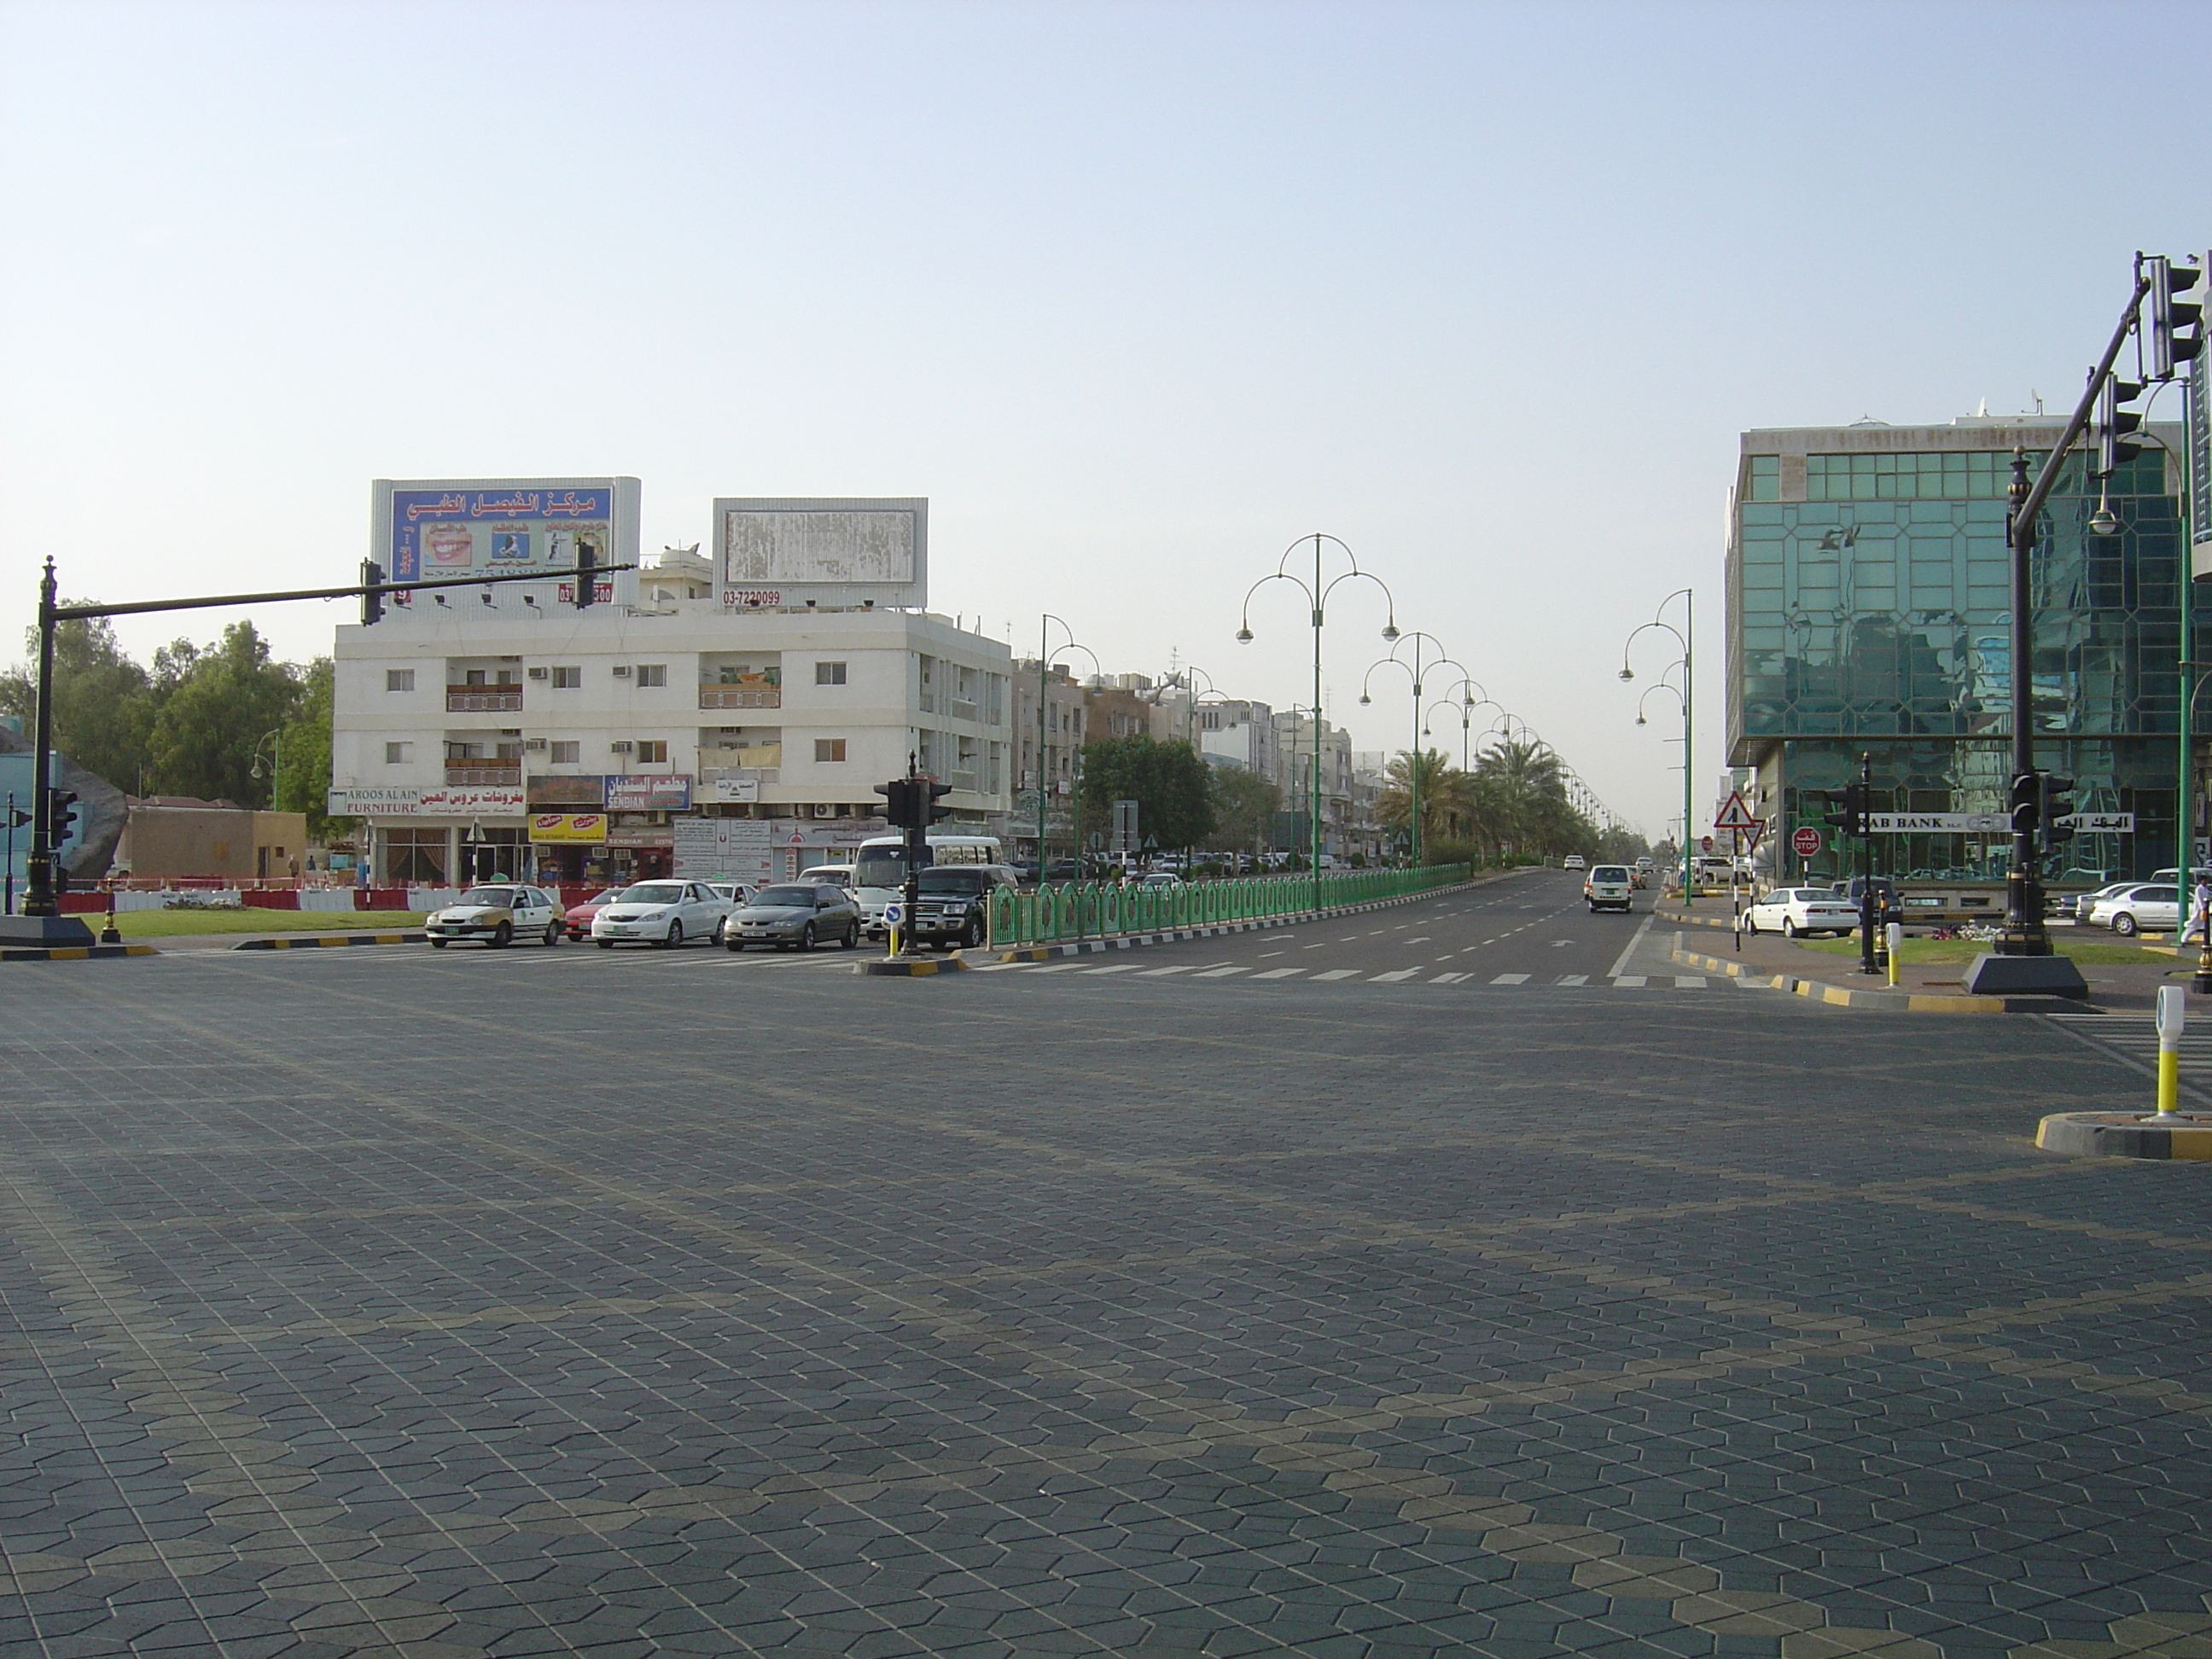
(154, 924)
(1965, 950)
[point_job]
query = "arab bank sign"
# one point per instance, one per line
(1992, 823)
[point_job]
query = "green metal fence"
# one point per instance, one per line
(1099, 909)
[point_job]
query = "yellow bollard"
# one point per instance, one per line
(1894, 937)
(2172, 1012)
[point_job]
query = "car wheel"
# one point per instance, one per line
(605, 944)
(721, 928)
(731, 942)
(806, 937)
(675, 939)
(1750, 924)
(552, 933)
(1790, 930)
(437, 944)
(971, 936)
(2125, 924)
(853, 937)
(502, 936)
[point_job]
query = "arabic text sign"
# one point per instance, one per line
(648, 792)
(2100, 823)
(739, 849)
(391, 801)
(1939, 823)
(429, 528)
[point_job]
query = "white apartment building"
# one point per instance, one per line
(496, 733)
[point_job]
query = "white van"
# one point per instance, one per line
(880, 872)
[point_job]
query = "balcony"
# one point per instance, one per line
(484, 772)
(482, 699)
(740, 696)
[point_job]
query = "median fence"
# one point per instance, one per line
(1100, 909)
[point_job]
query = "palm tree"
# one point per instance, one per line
(1442, 792)
(1523, 787)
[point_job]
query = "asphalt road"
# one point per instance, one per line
(445, 1304)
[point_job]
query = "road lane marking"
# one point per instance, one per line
(1449, 979)
(1279, 973)
(1510, 979)
(1628, 980)
(1575, 979)
(1219, 973)
(1635, 939)
(1117, 968)
(1339, 972)
(1058, 967)
(1157, 973)
(1689, 981)
(1390, 979)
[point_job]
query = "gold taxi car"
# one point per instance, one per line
(498, 916)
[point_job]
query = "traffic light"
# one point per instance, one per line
(1845, 809)
(2114, 423)
(588, 572)
(2025, 800)
(2177, 326)
(933, 792)
(902, 803)
(371, 598)
(2054, 801)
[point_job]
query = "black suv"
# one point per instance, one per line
(955, 903)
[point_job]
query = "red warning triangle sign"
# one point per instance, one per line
(1735, 815)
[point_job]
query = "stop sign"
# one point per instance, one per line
(1805, 842)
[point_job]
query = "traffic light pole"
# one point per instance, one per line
(41, 922)
(1868, 908)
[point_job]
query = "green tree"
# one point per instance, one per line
(223, 703)
(1175, 807)
(104, 703)
(1443, 792)
(1244, 808)
(303, 774)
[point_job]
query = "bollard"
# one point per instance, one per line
(2173, 1003)
(111, 934)
(1894, 937)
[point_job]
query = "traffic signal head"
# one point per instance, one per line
(902, 805)
(2024, 798)
(930, 810)
(2114, 423)
(2177, 326)
(61, 815)
(2054, 801)
(588, 572)
(371, 598)
(1843, 811)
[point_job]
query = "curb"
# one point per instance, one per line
(1910, 1002)
(911, 967)
(325, 943)
(2123, 1135)
(1079, 947)
(75, 952)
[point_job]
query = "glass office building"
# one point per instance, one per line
(1868, 613)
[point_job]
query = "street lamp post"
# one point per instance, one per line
(1413, 755)
(1684, 637)
(1316, 600)
(1045, 654)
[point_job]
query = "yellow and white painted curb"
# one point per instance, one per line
(329, 942)
(1839, 996)
(74, 953)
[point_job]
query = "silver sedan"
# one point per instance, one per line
(795, 914)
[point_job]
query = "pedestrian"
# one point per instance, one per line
(2200, 907)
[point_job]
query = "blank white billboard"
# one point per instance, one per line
(770, 553)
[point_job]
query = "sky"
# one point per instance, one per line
(1137, 294)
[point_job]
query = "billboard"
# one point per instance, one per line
(565, 791)
(648, 792)
(404, 800)
(590, 828)
(421, 529)
(780, 551)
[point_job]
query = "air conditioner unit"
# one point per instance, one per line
(533, 743)
(537, 673)
(622, 745)
(621, 671)
(823, 809)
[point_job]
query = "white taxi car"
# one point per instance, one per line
(498, 916)
(1799, 912)
(665, 912)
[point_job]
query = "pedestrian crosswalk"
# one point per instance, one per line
(1187, 972)
(2136, 1035)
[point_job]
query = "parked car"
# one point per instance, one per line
(739, 893)
(1607, 887)
(1574, 861)
(2077, 906)
(497, 916)
(1162, 878)
(2137, 906)
(1798, 912)
(797, 913)
(1063, 870)
(955, 903)
(666, 912)
(577, 919)
(837, 875)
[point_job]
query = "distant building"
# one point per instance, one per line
(167, 837)
(1869, 612)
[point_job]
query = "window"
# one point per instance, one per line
(653, 673)
(568, 680)
(400, 679)
(567, 754)
(651, 749)
(828, 749)
(472, 677)
(398, 754)
(828, 673)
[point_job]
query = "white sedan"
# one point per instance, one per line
(1800, 911)
(2128, 911)
(664, 913)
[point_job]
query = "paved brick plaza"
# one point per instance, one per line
(371, 1301)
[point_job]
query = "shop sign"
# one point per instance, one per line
(566, 791)
(735, 789)
(651, 836)
(398, 801)
(648, 793)
(586, 827)
(708, 849)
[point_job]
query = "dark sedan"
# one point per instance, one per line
(800, 913)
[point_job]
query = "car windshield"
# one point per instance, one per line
(499, 898)
(1609, 873)
(652, 892)
(769, 897)
(939, 878)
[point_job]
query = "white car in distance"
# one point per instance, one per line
(2136, 906)
(665, 912)
(1799, 912)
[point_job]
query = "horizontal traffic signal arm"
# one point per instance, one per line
(66, 612)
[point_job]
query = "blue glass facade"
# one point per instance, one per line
(1869, 611)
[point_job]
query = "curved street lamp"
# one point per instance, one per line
(1318, 594)
(1683, 636)
(1413, 756)
(1045, 654)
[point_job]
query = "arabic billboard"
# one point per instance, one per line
(402, 801)
(565, 791)
(777, 551)
(422, 529)
(648, 792)
(590, 828)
